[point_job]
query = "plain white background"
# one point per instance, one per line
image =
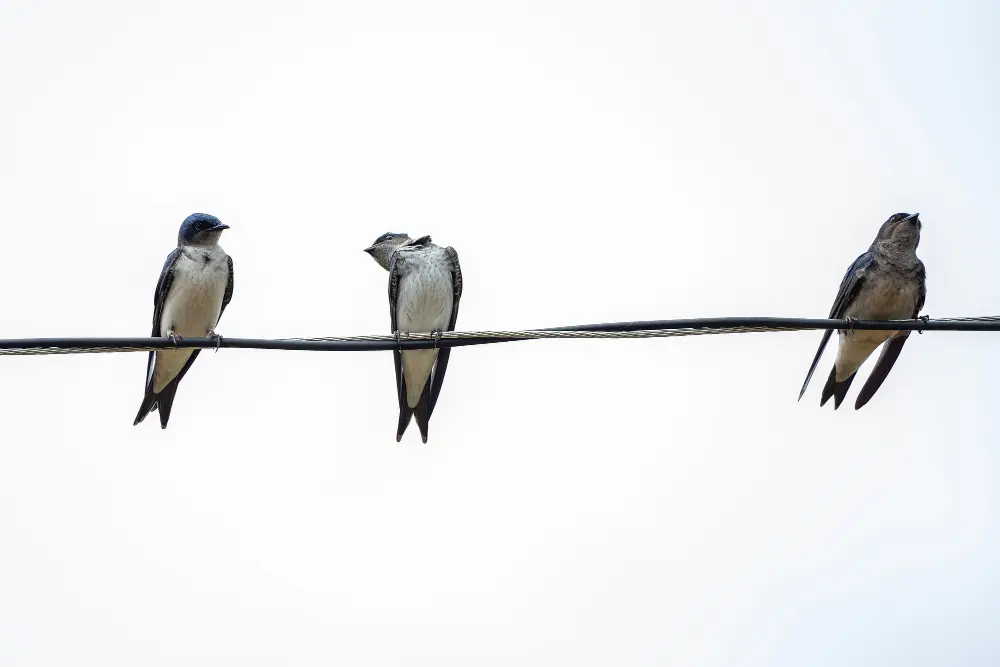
(580, 503)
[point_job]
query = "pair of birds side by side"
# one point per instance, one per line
(196, 285)
(887, 282)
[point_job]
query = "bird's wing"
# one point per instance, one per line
(441, 367)
(922, 294)
(395, 263)
(163, 288)
(228, 296)
(890, 352)
(851, 284)
(160, 298)
(849, 287)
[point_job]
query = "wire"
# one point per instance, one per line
(417, 341)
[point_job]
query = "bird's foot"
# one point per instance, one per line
(925, 319)
(173, 338)
(401, 334)
(216, 337)
(852, 322)
(437, 337)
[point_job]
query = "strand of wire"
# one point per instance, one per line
(612, 330)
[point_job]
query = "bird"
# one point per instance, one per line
(887, 282)
(425, 287)
(195, 286)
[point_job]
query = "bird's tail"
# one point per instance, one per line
(405, 412)
(836, 389)
(422, 413)
(165, 401)
(148, 405)
(162, 402)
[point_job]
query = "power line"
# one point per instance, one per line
(416, 341)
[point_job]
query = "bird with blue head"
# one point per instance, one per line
(200, 229)
(195, 286)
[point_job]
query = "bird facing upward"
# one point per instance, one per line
(888, 282)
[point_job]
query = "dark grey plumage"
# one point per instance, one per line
(885, 283)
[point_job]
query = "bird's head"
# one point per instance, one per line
(381, 251)
(901, 231)
(200, 229)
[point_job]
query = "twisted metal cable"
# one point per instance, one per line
(415, 341)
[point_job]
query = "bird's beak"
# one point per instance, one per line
(914, 218)
(219, 227)
(370, 249)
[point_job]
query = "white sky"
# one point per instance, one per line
(579, 503)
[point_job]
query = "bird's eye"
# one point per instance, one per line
(201, 226)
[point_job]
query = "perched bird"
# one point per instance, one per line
(195, 286)
(425, 285)
(886, 283)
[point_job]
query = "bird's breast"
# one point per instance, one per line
(194, 302)
(886, 295)
(426, 296)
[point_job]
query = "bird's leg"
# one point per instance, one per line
(401, 334)
(437, 337)
(925, 319)
(216, 337)
(173, 338)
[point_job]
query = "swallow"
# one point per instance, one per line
(425, 286)
(888, 282)
(195, 286)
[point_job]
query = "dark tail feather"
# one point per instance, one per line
(437, 377)
(885, 362)
(148, 405)
(812, 367)
(836, 389)
(405, 412)
(165, 401)
(422, 413)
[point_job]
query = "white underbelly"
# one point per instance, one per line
(422, 308)
(855, 348)
(887, 300)
(192, 307)
(191, 310)
(167, 365)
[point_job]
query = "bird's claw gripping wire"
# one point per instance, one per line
(173, 338)
(401, 334)
(852, 322)
(437, 337)
(215, 337)
(925, 319)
